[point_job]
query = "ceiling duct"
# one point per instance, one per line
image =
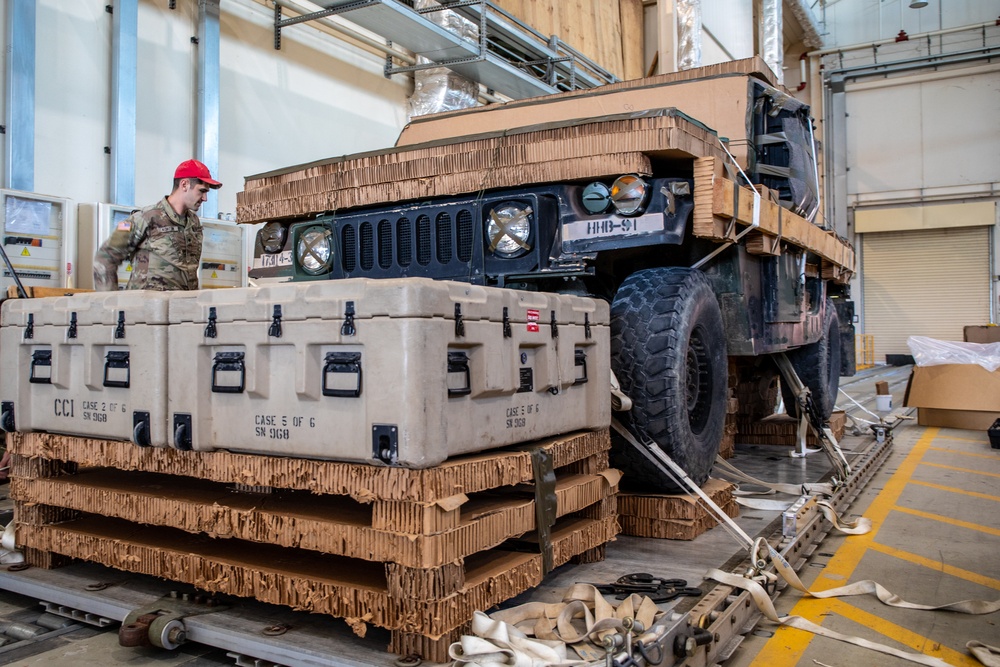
(688, 34)
(439, 89)
(772, 38)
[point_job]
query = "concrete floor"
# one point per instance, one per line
(935, 539)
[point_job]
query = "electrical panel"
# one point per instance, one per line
(39, 238)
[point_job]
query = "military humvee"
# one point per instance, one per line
(705, 243)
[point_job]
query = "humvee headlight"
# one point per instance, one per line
(314, 251)
(508, 229)
(596, 198)
(272, 237)
(628, 194)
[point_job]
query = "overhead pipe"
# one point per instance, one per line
(802, 73)
(893, 40)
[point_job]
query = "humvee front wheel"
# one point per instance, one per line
(668, 350)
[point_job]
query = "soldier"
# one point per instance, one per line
(163, 241)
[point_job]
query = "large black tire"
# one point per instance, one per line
(818, 367)
(668, 350)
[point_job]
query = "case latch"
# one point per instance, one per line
(210, 330)
(120, 329)
(275, 330)
(459, 321)
(347, 328)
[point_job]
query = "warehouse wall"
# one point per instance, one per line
(316, 98)
(914, 179)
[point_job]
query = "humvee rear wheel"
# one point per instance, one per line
(668, 350)
(818, 367)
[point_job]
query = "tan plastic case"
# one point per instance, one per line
(404, 372)
(91, 364)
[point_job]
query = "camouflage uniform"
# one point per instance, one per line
(164, 248)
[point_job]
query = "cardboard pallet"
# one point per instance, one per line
(417, 567)
(781, 429)
(674, 517)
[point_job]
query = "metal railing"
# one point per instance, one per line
(864, 351)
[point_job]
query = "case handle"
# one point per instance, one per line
(115, 361)
(458, 364)
(228, 362)
(40, 359)
(342, 363)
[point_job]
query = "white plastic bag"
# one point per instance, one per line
(932, 352)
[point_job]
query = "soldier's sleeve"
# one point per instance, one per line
(121, 245)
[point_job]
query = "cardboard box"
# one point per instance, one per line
(986, 333)
(645, 93)
(782, 429)
(720, 103)
(955, 396)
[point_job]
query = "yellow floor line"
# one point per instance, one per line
(904, 636)
(968, 471)
(992, 457)
(789, 648)
(938, 566)
(952, 489)
(947, 519)
(975, 440)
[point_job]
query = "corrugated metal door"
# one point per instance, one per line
(924, 283)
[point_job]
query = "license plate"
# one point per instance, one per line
(273, 261)
(613, 226)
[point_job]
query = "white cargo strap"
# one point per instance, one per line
(866, 587)
(761, 552)
(764, 604)
(729, 470)
(537, 634)
(619, 401)
(984, 653)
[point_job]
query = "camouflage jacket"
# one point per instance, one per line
(163, 247)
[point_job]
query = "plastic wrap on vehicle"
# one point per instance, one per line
(784, 157)
(933, 352)
(438, 88)
(773, 40)
(688, 34)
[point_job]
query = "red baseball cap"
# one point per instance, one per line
(195, 169)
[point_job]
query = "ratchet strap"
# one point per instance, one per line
(867, 587)
(727, 469)
(538, 633)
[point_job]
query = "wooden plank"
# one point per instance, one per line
(703, 223)
(730, 201)
(631, 24)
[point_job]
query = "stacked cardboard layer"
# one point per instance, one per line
(413, 551)
(781, 429)
(674, 517)
(607, 146)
